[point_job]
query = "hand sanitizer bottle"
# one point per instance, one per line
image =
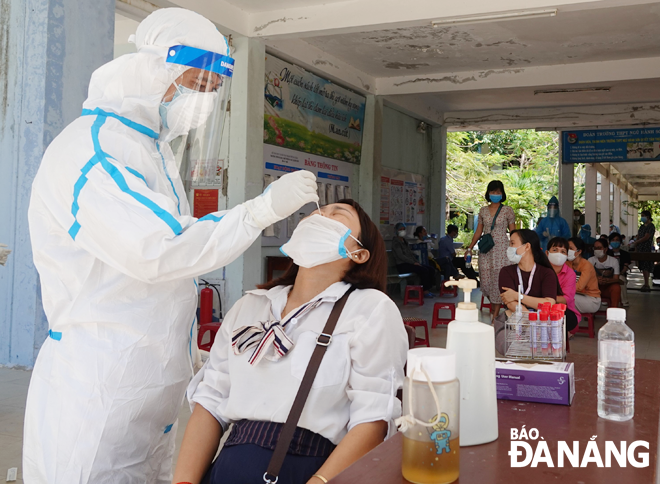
(474, 345)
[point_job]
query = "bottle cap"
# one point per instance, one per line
(616, 314)
(556, 315)
(439, 363)
(468, 285)
(559, 307)
(544, 315)
(533, 317)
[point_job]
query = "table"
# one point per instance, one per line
(490, 463)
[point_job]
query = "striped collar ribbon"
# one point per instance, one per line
(266, 335)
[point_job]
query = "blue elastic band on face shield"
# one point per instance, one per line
(201, 59)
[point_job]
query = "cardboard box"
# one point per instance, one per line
(535, 382)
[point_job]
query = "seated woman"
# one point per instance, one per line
(558, 255)
(587, 294)
(405, 260)
(531, 270)
(251, 382)
(607, 272)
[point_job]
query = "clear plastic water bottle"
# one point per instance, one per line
(468, 259)
(616, 368)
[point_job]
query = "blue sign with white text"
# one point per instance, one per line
(611, 145)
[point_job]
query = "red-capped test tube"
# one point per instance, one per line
(533, 331)
(556, 318)
(543, 324)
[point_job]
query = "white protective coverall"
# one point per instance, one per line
(117, 251)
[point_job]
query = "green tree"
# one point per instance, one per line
(526, 161)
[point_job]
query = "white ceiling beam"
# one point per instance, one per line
(368, 15)
(539, 77)
(229, 19)
(567, 117)
(325, 65)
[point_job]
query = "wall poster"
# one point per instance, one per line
(304, 112)
(333, 182)
(402, 199)
(611, 145)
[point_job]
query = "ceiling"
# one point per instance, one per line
(643, 175)
(571, 37)
(636, 91)
(253, 6)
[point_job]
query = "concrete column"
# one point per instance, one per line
(566, 181)
(616, 207)
(590, 197)
(49, 49)
(604, 205)
(437, 189)
(372, 156)
(245, 166)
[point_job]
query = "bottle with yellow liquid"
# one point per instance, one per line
(430, 422)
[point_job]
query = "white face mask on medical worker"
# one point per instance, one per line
(187, 110)
(557, 258)
(318, 240)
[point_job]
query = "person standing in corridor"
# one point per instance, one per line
(496, 218)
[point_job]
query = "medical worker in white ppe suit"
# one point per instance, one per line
(117, 252)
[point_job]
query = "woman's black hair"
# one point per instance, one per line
(495, 185)
(647, 213)
(530, 237)
(578, 243)
(603, 242)
(558, 242)
(418, 230)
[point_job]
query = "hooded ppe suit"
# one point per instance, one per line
(550, 227)
(117, 251)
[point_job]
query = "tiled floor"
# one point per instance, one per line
(642, 318)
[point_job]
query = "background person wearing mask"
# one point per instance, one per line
(558, 255)
(405, 260)
(624, 265)
(117, 252)
(492, 262)
(578, 222)
(614, 228)
(531, 270)
(352, 403)
(644, 244)
(587, 294)
(552, 225)
(607, 270)
(447, 255)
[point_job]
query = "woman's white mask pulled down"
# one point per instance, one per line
(318, 240)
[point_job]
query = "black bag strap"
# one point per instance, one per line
(286, 435)
(492, 226)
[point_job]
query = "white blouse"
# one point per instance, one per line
(356, 382)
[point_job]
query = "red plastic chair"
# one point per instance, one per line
(419, 323)
(419, 298)
(590, 326)
(448, 291)
(484, 305)
(437, 321)
(212, 329)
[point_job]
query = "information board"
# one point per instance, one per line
(611, 145)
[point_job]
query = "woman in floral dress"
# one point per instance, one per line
(644, 243)
(491, 262)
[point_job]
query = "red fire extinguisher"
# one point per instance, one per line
(206, 305)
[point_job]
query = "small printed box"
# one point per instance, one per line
(535, 382)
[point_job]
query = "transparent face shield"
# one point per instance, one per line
(193, 110)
